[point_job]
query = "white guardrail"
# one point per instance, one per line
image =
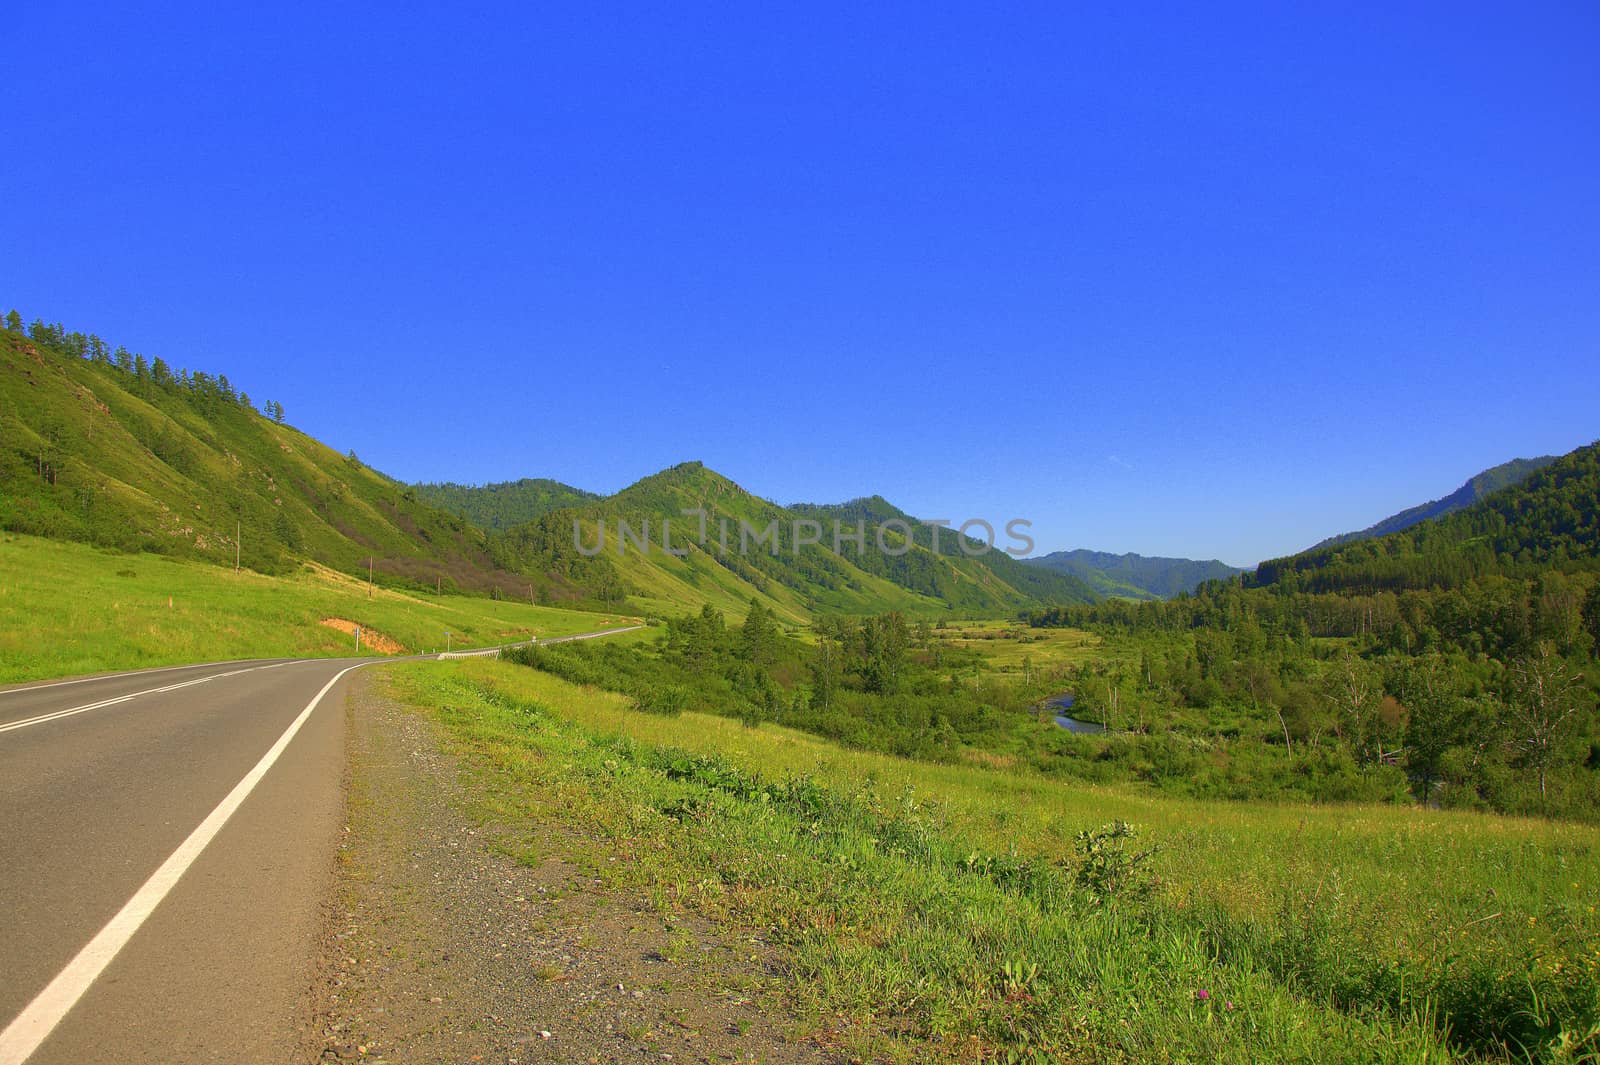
(486, 652)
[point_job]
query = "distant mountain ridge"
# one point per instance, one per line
(1477, 487)
(1549, 521)
(1133, 576)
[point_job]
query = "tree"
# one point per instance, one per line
(1355, 695)
(1439, 717)
(884, 641)
(758, 636)
(1543, 707)
(825, 669)
(1591, 616)
(13, 321)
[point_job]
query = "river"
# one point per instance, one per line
(1063, 702)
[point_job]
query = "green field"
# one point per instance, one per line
(69, 608)
(950, 913)
(1006, 646)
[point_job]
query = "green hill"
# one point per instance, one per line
(1550, 520)
(923, 574)
(1134, 576)
(109, 448)
(1483, 484)
(732, 559)
(501, 506)
(113, 449)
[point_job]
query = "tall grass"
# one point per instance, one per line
(70, 608)
(947, 903)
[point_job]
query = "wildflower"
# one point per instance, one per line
(1202, 995)
(1227, 1005)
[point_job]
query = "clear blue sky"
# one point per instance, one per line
(1201, 281)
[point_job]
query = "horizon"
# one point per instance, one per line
(1203, 285)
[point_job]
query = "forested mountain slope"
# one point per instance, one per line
(501, 506)
(948, 544)
(747, 548)
(103, 446)
(1548, 521)
(1483, 484)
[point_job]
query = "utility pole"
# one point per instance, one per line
(238, 531)
(447, 643)
(358, 639)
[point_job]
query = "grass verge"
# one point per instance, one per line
(955, 912)
(68, 608)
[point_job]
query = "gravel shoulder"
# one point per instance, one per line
(453, 936)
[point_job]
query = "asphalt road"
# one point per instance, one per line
(167, 847)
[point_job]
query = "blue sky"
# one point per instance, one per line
(1199, 280)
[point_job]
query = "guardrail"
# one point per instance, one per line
(485, 652)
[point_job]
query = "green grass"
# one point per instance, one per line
(1005, 646)
(942, 902)
(69, 608)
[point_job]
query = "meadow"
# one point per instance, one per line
(1013, 647)
(964, 913)
(68, 608)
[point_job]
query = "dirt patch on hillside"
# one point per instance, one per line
(369, 637)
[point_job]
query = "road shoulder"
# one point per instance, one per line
(456, 936)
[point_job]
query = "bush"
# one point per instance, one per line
(668, 700)
(1108, 870)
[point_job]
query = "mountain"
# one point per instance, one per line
(1133, 576)
(104, 446)
(1491, 480)
(497, 507)
(949, 544)
(1548, 521)
(730, 558)
(114, 449)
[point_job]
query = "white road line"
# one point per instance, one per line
(103, 676)
(34, 1024)
(70, 711)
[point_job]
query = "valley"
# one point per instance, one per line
(1256, 789)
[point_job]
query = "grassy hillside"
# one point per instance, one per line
(68, 608)
(1483, 484)
(500, 506)
(109, 448)
(120, 452)
(1027, 585)
(969, 913)
(1134, 576)
(795, 585)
